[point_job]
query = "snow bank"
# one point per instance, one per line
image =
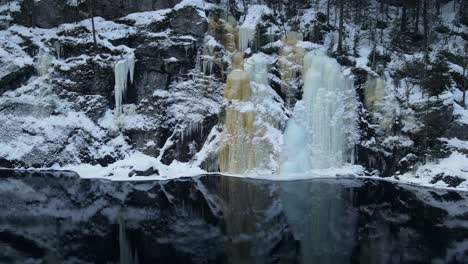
(455, 165)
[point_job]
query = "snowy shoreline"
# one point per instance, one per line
(254, 177)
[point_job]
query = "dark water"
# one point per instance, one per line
(58, 218)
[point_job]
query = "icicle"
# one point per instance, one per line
(246, 37)
(122, 69)
(58, 50)
(252, 19)
(43, 62)
(321, 133)
(198, 61)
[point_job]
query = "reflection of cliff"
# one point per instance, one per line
(214, 219)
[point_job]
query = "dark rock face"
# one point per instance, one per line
(387, 163)
(169, 109)
(51, 13)
(190, 141)
(158, 64)
(188, 21)
(15, 77)
(92, 76)
(451, 181)
(458, 130)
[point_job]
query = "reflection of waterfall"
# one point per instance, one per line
(126, 256)
(321, 133)
(252, 223)
(320, 217)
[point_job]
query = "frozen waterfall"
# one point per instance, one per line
(122, 70)
(322, 131)
(254, 115)
(43, 62)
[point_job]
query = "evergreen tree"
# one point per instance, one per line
(437, 77)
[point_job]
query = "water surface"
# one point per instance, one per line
(60, 218)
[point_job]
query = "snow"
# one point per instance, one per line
(455, 143)
(187, 103)
(247, 29)
(454, 165)
(461, 113)
(145, 18)
(119, 171)
(199, 4)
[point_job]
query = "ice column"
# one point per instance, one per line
(322, 131)
(236, 154)
(122, 70)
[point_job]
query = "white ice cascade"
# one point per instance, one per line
(322, 132)
(122, 70)
(43, 62)
(270, 114)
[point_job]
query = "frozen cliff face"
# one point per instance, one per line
(62, 114)
(171, 113)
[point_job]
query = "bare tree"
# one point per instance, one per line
(465, 62)
(91, 10)
(403, 17)
(341, 28)
(416, 15)
(426, 31)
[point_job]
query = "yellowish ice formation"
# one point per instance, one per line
(238, 81)
(226, 32)
(231, 34)
(385, 109)
(374, 93)
(236, 154)
(290, 60)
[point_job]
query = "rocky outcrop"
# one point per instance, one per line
(52, 13)
(15, 76)
(160, 63)
(88, 76)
